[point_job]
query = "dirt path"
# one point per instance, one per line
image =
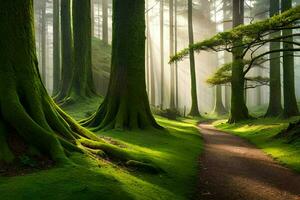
(233, 169)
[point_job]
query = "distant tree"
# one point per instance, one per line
(290, 107)
(171, 50)
(162, 68)
(56, 46)
(79, 80)
(126, 105)
(194, 109)
(44, 40)
(66, 51)
(219, 108)
(275, 106)
(105, 21)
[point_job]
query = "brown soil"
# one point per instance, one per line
(233, 169)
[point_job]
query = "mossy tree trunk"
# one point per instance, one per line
(66, 50)
(194, 109)
(290, 107)
(25, 108)
(275, 106)
(56, 46)
(77, 80)
(239, 110)
(126, 104)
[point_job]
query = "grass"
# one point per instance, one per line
(174, 150)
(261, 132)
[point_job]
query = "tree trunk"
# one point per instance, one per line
(162, 78)
(275, 107)
(126, 105)
(176, 48)
(239, 110)
(56, 46)
(92, 18)
(66, 51)
(83, 80)
(78, 80)
(219, 108)
(290, 107)
(44, 39)
(105, 21)
(194, 109)
(172, 70)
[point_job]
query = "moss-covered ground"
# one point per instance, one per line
(262, 132)
(174, 150)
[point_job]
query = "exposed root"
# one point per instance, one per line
(60, 137)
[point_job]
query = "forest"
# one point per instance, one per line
(150, 99)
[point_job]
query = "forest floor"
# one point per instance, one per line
(234, 169)
(175, 150)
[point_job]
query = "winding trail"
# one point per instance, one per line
(234, 169)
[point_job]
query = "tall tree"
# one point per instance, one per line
(162, 68)
(126, 104)
(66, 51)
(275, 106)
(105, 21)
(290, 103)
(56, 46)
(79, 81)
(219, 108)
(93, 17)
(27, 111)
(83, 80)
(227, 25)
(194, 109)
(171, 50)
(176, 48)
(44, 41)
(239, 110)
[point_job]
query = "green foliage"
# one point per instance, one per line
(249, 34)
(223, 76)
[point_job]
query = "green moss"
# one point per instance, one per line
(101, 57)
(174, 151)
(261, 132)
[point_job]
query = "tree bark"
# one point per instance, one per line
(105, 21)
(219, 108)
(194, 109)
(176, 48)
(56, 46)
(275, 106)
(66, 51)
(290, 107)
(239, 110)
(77, 80)
(172, 67)
(44, 39)
(162, 77)
(126, 105)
